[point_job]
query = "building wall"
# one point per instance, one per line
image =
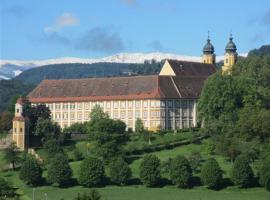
(166, 114)
(18, 135)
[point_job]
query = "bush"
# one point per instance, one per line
(195, 160)
(120, 172)
(31, 172)
(92, 195)
(264, 174)
(59, 170)
(91, 172)
(6, 189)
(150, 170)
(52, 147)
(242, 174)
(180, 171)
(211, 173)
(77, 155)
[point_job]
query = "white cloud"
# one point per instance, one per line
(65, 20)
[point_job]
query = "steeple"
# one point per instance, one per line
(209, 56)
(230, 57)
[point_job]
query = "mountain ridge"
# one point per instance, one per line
(12, 68)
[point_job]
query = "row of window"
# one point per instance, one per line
(123, 104)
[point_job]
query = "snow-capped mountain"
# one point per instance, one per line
(12, 68)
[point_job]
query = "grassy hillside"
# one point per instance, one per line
(137, 191)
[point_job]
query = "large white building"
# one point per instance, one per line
(167, 100)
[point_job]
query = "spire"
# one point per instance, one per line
(230, 47)
(208, 47)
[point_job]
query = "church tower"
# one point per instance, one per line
(209, 56)
(20, 128)
(230, 55)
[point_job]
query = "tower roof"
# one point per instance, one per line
(230, 47)
(19, 101)
(208, 47)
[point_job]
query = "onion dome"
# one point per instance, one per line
(230, 47)
(208, 47)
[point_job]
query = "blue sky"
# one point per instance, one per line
(38, 29)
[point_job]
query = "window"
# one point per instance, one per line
(144, 114)
(72, 116)
(108, 104)
(86, 106)
(184, 104)
(145, 104)
(21, 130)
(162, 104)
(153, 114)
(227, 60)
(170, 104)
(184, 111)
(137, 114)
(79, 106)
(115, 105)
(115, 114)
(138, 104)
(123, 114)
(65, 116)
(123, 104)
(130, 104)
(157, 103)
(86, 115)
(72, 106)
(152, 103)
(57, 106)
(79, 116)
(15, 130)
(130, 114)
(18, 110)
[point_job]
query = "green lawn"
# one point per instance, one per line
(140, 192)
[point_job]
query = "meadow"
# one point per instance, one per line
(135, 190)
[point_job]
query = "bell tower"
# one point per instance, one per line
(230, 57)
(208, 56)
(20, 127)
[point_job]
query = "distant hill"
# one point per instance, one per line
(12, 68)
(262, 51)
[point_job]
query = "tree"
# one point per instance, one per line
(59, 170)
(91, 172)
(211, 173)
(6, 121)
(264, 173)
(31, 172)
(180, 171)
(97, 114)
(120, 172)
(33, 113)
(6, 189)
(242, 174)
(139, 128)
(150, 170)
(52, 147)
(109, 136)
(12, 155)
(92, 195)
(46, 129)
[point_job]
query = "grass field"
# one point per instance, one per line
(140, 192)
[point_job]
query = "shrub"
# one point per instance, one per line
(211, 173)
(242, 174)
(195, 160)
(91, 172)
(92, 195)
(77, 155)
(52, 147)
(180, 171)
(150, 170)
(6, 189)
(120, 172)
(264, 173)
(31, 172)
(59, 170)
